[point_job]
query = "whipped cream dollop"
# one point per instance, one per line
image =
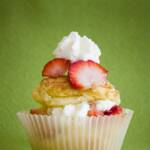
(74, 47)
(105, 105)
(81, 110)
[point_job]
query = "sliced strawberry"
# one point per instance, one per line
(38, 111)
(94, 112)
(56, 67)
(107, 112)
(113, 111)
(116, 110)
(87, 74)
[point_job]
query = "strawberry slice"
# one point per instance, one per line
(56, 67)
(87, 74)
(38, 111)
(114, 110)
(93, 112)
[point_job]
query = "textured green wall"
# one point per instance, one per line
(30, 30)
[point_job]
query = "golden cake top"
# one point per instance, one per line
(58, 91)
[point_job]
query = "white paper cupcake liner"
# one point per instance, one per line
(75, 133)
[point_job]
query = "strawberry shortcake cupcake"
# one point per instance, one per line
(80, 109)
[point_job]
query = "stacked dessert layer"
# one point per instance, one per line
(75, 83)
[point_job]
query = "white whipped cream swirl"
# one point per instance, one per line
(74, 47)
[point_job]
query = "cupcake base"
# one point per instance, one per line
(76, 133)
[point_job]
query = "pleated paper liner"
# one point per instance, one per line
(75, 133)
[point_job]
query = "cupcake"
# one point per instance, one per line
(80, 109)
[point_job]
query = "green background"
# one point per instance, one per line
(31, 29)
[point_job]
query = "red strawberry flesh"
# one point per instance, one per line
(95, 113)
(113, 111)
(116, 110)
(56, 67)
(87, 74)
